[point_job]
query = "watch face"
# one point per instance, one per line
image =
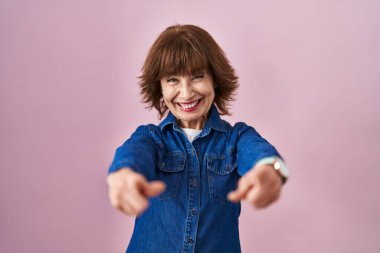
(280, 166)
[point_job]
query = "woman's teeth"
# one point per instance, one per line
(189, 106)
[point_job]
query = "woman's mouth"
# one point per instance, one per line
(190, 106)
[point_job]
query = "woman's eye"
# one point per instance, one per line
(171, 80)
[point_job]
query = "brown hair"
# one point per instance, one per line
(186, 49)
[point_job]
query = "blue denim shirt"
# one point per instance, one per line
(193, 214)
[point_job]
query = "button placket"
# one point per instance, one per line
(194, 195)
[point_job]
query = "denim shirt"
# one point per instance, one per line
(193, 213)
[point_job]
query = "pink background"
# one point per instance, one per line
(309, 74)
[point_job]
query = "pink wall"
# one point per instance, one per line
(309, 73)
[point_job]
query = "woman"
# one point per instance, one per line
(184, 178)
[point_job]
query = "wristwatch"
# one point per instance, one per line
(281, 169)
(278, 165)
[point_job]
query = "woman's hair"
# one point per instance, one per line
(185, 50)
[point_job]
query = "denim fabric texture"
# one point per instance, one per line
(193, 214)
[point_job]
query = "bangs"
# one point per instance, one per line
(182, 58)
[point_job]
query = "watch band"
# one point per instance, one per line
(278, 165)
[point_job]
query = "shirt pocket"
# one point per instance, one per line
(222, 176)
(170, 169)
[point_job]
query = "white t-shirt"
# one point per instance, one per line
(191, 134)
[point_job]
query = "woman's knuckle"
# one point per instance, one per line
(115, 203)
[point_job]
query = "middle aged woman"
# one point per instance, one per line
(192, 169)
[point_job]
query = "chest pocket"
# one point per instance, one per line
(170, 171)
(222, 176)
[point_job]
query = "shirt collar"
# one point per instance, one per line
(214, 121)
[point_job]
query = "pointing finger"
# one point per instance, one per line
(244, 185)
(154, 188)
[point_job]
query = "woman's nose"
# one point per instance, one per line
(186, 89)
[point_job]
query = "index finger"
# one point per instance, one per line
(240, 193)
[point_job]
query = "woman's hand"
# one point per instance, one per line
(129, 191)
(260, 186)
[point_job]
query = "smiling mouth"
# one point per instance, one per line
(190, 105)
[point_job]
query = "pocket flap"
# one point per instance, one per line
(172, 162)
(219, 164)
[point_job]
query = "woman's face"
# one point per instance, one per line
(189, 98)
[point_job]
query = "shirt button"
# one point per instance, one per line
(194, 183)
(193, 212)
(190, 241)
